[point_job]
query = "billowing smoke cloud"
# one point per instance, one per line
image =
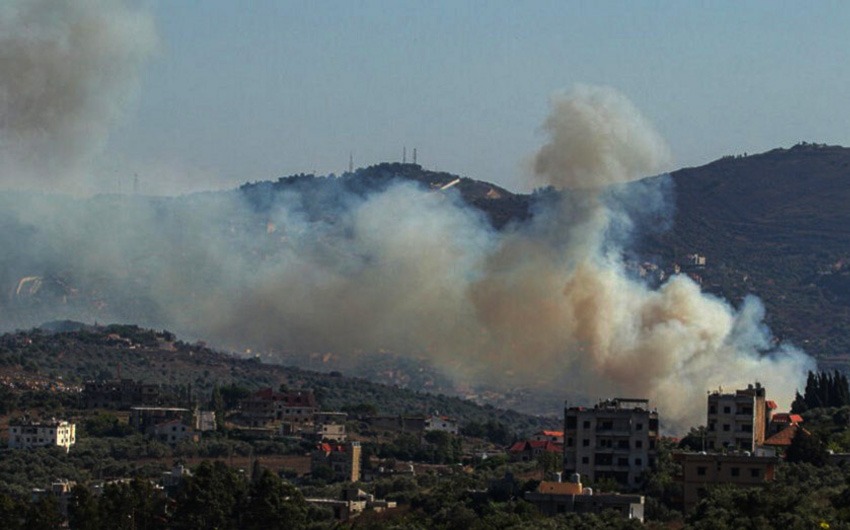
(67, 70)
(339, 265)
(596, 138)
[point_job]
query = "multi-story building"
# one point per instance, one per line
(25, 433)
(266, 407)
(342, 459)
(702, 470)
(615, 439)
(119, 394)
(737, 421)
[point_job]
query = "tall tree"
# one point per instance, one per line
(274, 505)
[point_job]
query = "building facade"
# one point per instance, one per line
(556, 498)
(702, 470)
(342, 459)
(615, 439)
(737, 421)
(25, 433)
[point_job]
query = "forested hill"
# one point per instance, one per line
(66, 355)
(318, 195)
(776, 225)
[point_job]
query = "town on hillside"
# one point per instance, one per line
(161, 455)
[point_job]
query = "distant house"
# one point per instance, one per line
(551, 436)
(782, 420)
(145, 418)
(26, 433)
(266, 407)
(352, 502)
(440, 423)
(529, 450)
(119, 394)
(699, 471)
(409, 424)
(342, 459)
(329, 426)
(173, 432)
(556, 498)
(204, 420)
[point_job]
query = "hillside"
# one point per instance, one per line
(46, 361)
(775, 225)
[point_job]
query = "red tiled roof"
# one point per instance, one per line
(770, 404)
(786, 417)
(544, 445)
(517, 447)
(783, 438)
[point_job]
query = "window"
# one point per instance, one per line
(571, 422)
(622, 461)
(586, 424)
(727, 410)
(755, 472)
(585, 443)
(726, 427)
(638, 461)
(736, 471)
(639, 444)
(712, 409)
(569, 442)
(585, 460)
(639, 427)
(701, 471)
(746, 428)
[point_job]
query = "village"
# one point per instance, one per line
(597, 463)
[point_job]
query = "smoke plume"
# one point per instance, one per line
(67, 70)
(340, 265)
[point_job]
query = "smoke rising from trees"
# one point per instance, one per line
(545, 304)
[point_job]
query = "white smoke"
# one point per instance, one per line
(67, 71)
(544, 304)
(597, 138)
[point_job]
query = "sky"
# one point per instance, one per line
(247, 91)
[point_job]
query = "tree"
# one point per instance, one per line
(83, 513)
(806, 447)
(10, 512)
(210, 499)
(43, 514)
(273, 504)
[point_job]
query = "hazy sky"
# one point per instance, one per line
(254, 90)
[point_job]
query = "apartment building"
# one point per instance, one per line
(25, 433)
(342, 459)
(615, 439)
(702, 470)
(739, 420)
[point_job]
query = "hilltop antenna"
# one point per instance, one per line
(414, 155)
(350, 162)
(404, 155)
(136, 184)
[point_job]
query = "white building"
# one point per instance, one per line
(615, 439)
(25, 433)
(441, 423)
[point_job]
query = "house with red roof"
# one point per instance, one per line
(529, 450)
(551, 436)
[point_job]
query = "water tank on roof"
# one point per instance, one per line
(575, 478)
